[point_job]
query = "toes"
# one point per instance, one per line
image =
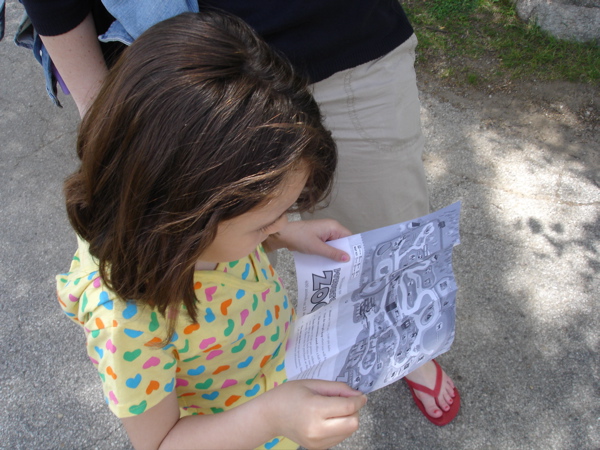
(447, 382)
(430, 406)
(448, 387)
(447, 397)
(434, 407)
(450, 384)
(443, 402)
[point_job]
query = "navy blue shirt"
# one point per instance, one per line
(320, 37)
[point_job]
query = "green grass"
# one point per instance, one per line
(482, 41)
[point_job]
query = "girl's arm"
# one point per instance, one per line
(78, 58)
(309, 236)
(312, 413)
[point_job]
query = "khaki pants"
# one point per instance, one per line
(373, 111)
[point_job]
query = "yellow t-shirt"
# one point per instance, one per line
(234, 353)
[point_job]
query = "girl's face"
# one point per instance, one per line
(238, 237)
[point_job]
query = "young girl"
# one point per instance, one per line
(200, 142)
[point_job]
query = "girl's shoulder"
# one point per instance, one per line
(243, 317)
(85, 298)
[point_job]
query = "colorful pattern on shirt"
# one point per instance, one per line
(234, 353)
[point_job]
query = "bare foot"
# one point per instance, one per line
(425, 375)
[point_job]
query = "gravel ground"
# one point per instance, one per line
(524, 160)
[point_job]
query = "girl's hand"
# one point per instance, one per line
(309, 236)
(314, 413)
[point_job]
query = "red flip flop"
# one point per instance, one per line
(447, 416)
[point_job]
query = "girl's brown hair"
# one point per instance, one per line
(198, 122)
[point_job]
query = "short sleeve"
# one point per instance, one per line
(136, 372)
(52, 18)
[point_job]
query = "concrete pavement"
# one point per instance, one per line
(525, 356)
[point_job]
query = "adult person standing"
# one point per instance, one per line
(359, 57)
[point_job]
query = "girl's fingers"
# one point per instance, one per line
(341, 407)
(332, 388)
(322, 249)
(337, 230)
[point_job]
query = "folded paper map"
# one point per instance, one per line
(391, 308)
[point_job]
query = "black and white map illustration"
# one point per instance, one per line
(383, 314)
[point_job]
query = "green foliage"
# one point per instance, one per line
(443, 9)
(483, 41)
(472, 78)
